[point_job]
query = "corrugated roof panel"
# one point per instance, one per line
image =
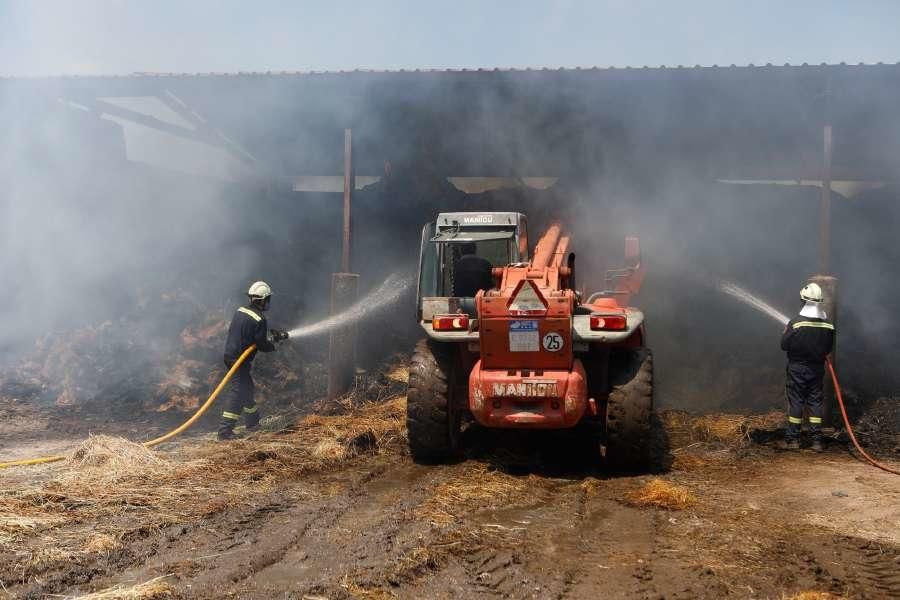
(312, 73)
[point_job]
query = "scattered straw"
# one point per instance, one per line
(46, 558)
(688, 462)
(18, 523)
(102, 543)
(399, 373)
(477, 487)
(590, 486)
(364, 593)
(128, 487)
(329, 450)
(150, 590)
(733, 430)
(813, 596)
(662, 494)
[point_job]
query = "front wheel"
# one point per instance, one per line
(629, 409)
(432, 412)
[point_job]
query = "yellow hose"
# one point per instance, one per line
(163, 438)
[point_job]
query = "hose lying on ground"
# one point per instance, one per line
(163, 438)
(840, 399)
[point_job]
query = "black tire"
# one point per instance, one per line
(629, 410)
(432, 414)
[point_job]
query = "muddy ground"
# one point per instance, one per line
(516, 518)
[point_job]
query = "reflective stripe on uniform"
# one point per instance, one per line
(816, 420)
(795, 420)
(230, 415)
(258, 318)
(800, 324)
(250, 410)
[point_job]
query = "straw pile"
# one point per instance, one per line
(726, 429)
(662, 494)
(335, 438)
(155, 589)
(110, 459)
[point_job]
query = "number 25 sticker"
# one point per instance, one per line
(553, 342)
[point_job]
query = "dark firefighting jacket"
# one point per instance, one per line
(808, 340)
(248, 326)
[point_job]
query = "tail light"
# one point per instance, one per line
(450, 322)
(601, 322)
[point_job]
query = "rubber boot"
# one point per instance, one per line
(225, 434)
(816, 445)
(789, 444)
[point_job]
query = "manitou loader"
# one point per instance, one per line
(525, 350)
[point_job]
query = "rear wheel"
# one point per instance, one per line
(432, 412)
(629, 409)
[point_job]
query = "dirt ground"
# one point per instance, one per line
(336, 509)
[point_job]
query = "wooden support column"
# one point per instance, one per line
(344, 293)
(349, 185)
(826, 281)
(825, 205)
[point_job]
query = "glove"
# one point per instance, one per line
(279, 335)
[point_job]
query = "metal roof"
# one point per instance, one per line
(447, 71)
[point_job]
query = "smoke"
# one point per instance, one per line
(89, 236)
(118, 193)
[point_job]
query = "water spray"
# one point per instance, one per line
(386, 294)
(736, 291)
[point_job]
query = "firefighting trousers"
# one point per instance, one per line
(803, 388)
(239, 401)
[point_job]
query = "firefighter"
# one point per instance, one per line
(248, 326)
(471, 272)
(808, 340)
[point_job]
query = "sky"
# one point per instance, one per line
(91, 37)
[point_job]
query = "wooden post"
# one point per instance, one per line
(825, 205)
(830, 306)
(344, 293)
(349, 185)
(342, 343)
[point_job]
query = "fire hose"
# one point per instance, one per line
(163, 438)
(840, 399)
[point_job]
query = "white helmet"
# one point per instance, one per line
(261, 290)
(811, 292)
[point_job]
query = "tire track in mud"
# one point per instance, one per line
(568, 541)
(273, 540)
(224, 549)
(617, 544)
(876, 567)
(353, 545)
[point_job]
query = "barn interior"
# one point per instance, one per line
(148, 202)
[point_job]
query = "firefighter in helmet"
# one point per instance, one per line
(248, 326)
(808, 339)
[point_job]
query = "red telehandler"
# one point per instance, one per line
(525, 350)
